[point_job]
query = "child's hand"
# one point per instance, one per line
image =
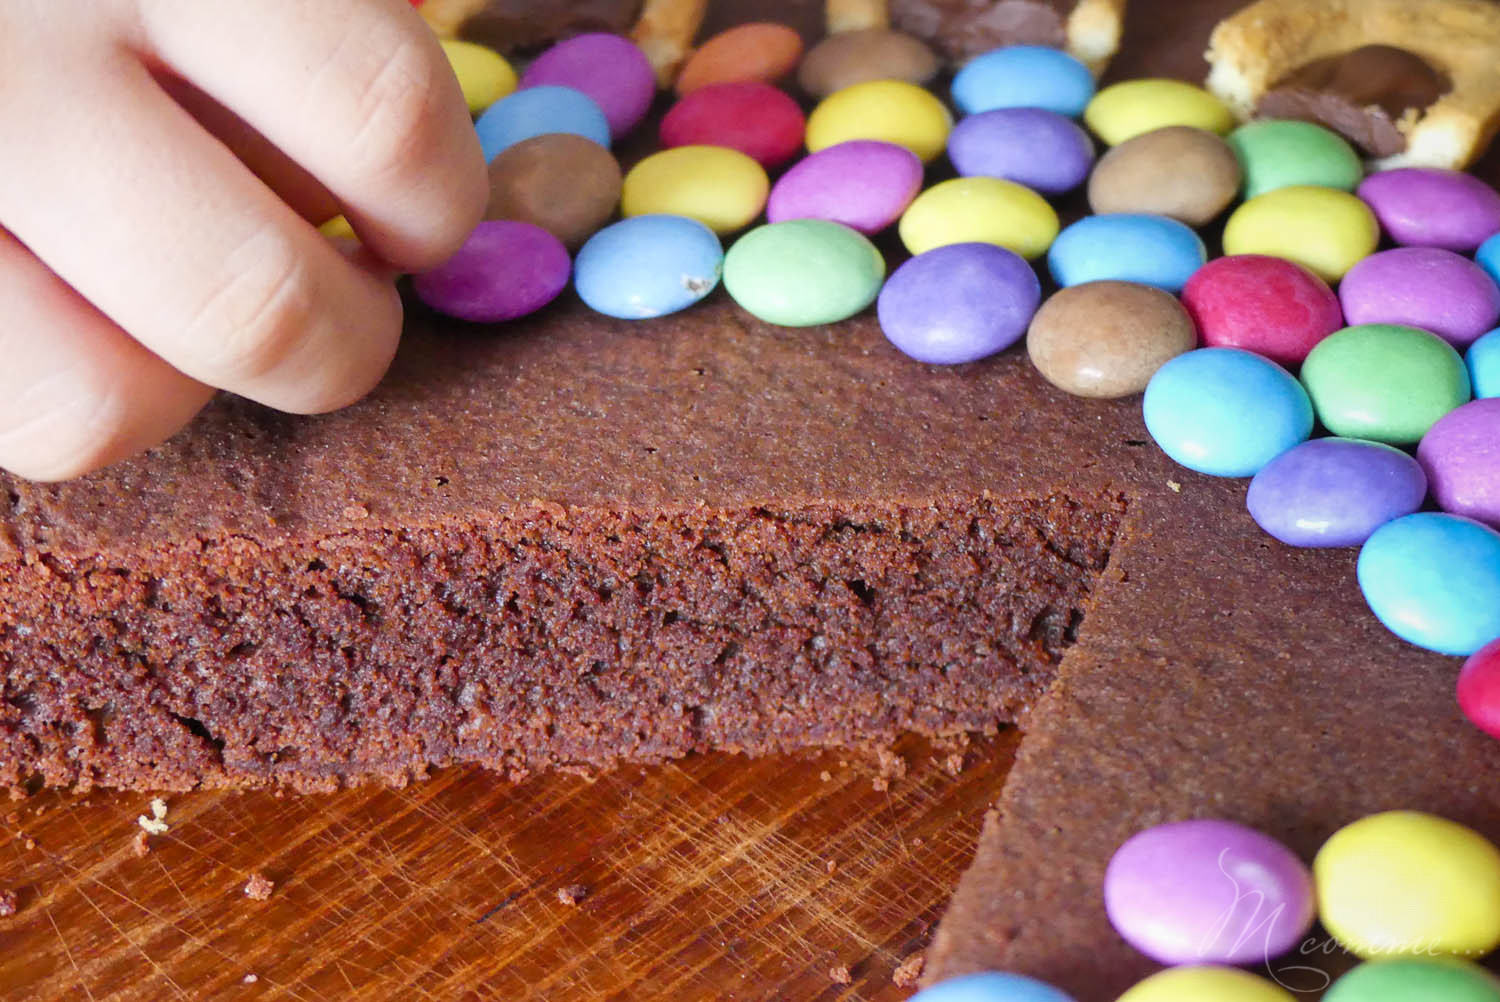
(142, 262)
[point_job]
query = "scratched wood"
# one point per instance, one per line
(710, 878)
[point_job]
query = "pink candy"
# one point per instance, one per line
(864, 184)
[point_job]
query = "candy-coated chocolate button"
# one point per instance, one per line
(1024, 76)
(721, 188)
(503, 271)
(1436, 979)
(1433, 579)
(483, 74)
(567, 185)
(850, 57)
(864, 184)
(980, 210)
(1461, 454)
(1205, 984)
(1427, 287)
(1405, 883)
(1430, 207)
(1267, 305)
(1208, 892)
(892, 111)
(1150, 250)
(959, 303)
(1107, 339)
(759, 120)
(338, 228)
(608, 68)
(1384, 382)
(1479, 688)
(1324, 230)
(803, 272)
(1032, 146)
(648, 266)
(1335, 491)
(991, 986)
(1185, 173)
(756, 51)
(1129, 109)
(1483, 360)
(1225, 412)
(537, 111)
(1278, 154)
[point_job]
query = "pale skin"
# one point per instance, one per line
(165, 165)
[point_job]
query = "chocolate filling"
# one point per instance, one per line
(510, 25)
(1361, 95)
(960, 29)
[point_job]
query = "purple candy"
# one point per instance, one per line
(1461, 454)
(1334, 491)
(504, 270)
(959, 303)
(608, 68)
(1032, 146)
(1208, 892)
(864, 184)
(1427, 287)
(1431, 207)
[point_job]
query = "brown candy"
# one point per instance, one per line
(1182, 172)
(854, 57)
(567, 185)
(1107, 339)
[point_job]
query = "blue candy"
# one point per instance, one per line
(1127, 247)
(648, 266)
(1484, 365)
(1226, 412)
(537, 111)
(959, 303)
(1032, 146)
(991, 986)
(1024, 76)
(1335, 491)
(1488, 256)
(1434, 581)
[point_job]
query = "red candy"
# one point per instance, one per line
(759, 120)
(1479, 689)
(1262, 304)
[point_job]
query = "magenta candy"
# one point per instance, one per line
(1461, 455)
(505, 270)
(1479, 688)
(864, 184)
(1427, 287)
(1431, 207)
(608, 68)
(761, 121)
(1267, 305)
(1208, 892)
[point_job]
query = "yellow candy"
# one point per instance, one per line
(892, 111)
(338, 228)
(1206, 984)
(483, 74)
(1324, 230)
(1136, 107)
(721, 188)
(1405, 883)
(980, 210)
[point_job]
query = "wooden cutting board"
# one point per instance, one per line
(711, 878)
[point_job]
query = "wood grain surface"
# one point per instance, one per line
(714, 877)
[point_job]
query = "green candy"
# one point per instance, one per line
(1277, 154)
(803, 272)
(1384, 382)
(1435, 980)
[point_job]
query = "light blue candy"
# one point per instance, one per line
(1226, 412)
(1484, 365)
(537, 111)
(648, 266)
(1488, 256)
(1434, 581)
(991, 986)
(1024, 76)
(1127, 247)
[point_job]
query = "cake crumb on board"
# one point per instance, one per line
(250, 979)
(909, 972)
(259, 887)
(156, 824)
(1175, 486)
(572, 894)
(840, 975)
(141, 845)
(9, 904)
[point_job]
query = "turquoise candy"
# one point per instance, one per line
(1434, 581)
(1127, 247)
(803, 272)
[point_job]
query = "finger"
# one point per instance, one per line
(357, 91)
(76, 392)
(131, 203)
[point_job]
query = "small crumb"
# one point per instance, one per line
(30, 844)
(1175, 486)
(953, 765)
(572, 894)
(831, 866)
(825, 776)
(259, 887)
(356, 512)
(151, 826)
(13, 818)
(250, 979)
(9, 905)
(880, 784)
(158, 808)
(918, 842)
(840, 975)
(141, 845)
(910, 971)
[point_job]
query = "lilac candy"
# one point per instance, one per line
(864, 184)
(1334, 491)
(1427, 287)
(959, 303)
(1461, 454)
(608, 68)
(1032, 146)
(1208, 892)
(1431, 207)
(505, 270)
